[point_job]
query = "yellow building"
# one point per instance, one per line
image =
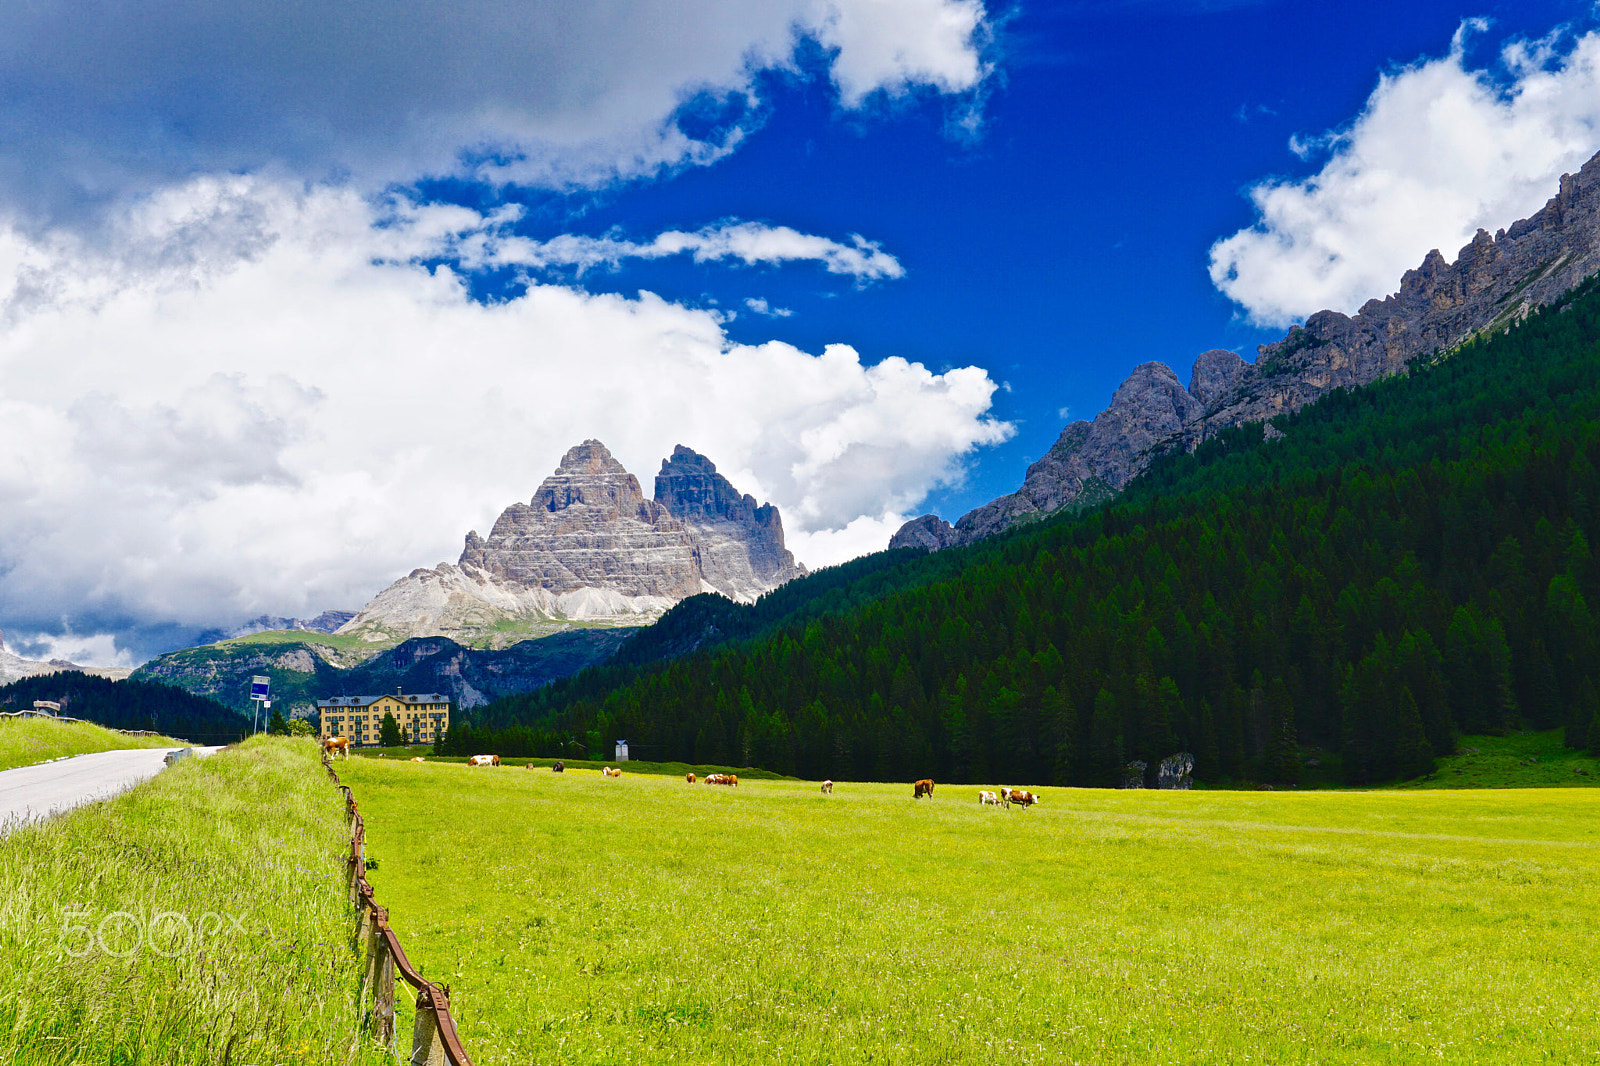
(423, 717)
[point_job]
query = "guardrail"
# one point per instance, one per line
(434, 1041)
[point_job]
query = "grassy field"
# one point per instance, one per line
(199, 918)
(25, 741)
(643, 920)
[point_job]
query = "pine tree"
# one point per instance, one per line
(389, 731)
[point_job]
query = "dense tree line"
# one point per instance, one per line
(1411, 561)
(130, 705)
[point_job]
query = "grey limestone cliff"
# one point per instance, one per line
(590, 548)
(1494, 282)
(738, 544)
(589, 526)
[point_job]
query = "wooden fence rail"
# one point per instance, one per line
(434, 1041)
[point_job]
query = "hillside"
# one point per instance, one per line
(130, 704)
(306, 670)
(1396, 564)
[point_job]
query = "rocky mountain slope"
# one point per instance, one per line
(1494, 281)
(589, 548)
(738, 545)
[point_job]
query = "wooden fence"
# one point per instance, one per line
(433, 1035)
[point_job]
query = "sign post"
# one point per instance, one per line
(259, 695)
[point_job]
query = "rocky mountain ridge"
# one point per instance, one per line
(590, 549)
(1494, 282)
(14, 667)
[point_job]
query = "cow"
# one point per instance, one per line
(733, 779)
(827, 788)
(922, 788)
(418, 758)
(689, 777)
(484, 760)
(1021, 797)
(987, 797)
(606, 771)
(332, 746)
(721, 779)
(559, 767)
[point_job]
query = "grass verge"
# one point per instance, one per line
(199, 918)
(643, 920)
(25, 741)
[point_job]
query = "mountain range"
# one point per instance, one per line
(1495, 281)
(590, 549)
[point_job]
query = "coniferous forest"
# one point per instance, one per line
(1410, 562)
(130, 704)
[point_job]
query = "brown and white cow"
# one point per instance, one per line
(987, 797)
(689, 777)
(332, 746)
(1021, 797)
(484, 760)
(607, 771)
(827, 788)
(418, 758)
(922, 788)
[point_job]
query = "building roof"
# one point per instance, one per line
(367, 701)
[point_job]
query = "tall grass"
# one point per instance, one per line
(199, 918)
(25, 741)
(643, 920)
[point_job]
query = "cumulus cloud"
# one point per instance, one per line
(257, 398)
(751, 243)
(1440, 150)
(97, 99)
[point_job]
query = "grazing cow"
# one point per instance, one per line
(827, 788)
(922, 788)
(332, 746)
(733, 779)
(607, 771)
(987, 797)
(484, 760)
(418, 758)
(721, 779)
(559, 767)
(689, 777)
(1021, 797)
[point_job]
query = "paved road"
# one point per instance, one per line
(31, 792)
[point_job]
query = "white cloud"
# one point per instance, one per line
(752, 243)
(252, 399)
(1439, 151)
(98, 99)
(759, 305)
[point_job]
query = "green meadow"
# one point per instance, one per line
(25, 741)
(199, 918)
(644, 920)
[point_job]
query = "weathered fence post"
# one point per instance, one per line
(427, 1043)
(383, 1001)
(377, 979)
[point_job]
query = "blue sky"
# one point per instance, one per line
(291, 298)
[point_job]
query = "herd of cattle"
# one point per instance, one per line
(1004, 797)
